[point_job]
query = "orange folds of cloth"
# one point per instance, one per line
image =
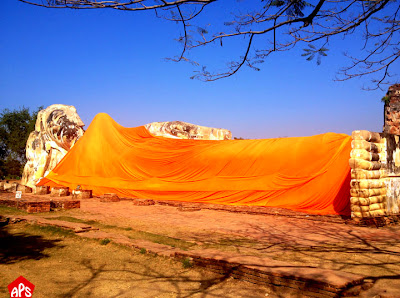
(307, 174)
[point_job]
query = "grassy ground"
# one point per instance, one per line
(75, 258)
(378, 259)
(130, 232)
(61, 264)
(11, 211)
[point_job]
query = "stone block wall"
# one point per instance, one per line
(27, 205)
(393, 195)
(392, 110)
(392, 180)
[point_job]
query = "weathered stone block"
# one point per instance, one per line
(81, 194)
(36, 207)
(392, 154)
(109, 197)
(8, 202)
(393, 195)
(42, 190)
(27, 205)
(392, 110)
(10, 187)
(59, 192)
(394, 130)
(188, 208)
(143, 202)
(24, 188)
(64, 204)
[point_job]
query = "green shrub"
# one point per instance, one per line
(187, 263)
(105, 241)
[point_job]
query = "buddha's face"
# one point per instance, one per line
(62, 125)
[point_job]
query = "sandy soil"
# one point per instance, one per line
(371, 252)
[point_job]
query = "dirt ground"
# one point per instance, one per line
(371, 252)
(63, 265)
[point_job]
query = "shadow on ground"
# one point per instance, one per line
(145, 280)
(20, 246)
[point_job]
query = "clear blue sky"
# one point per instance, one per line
(113, 62)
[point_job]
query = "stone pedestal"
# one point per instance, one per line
(143, 202)
(64, 203)
(30, 206)
(81, 194)
(109, 197)
(24, 188)
(10, 187)
(59, 192)
(42, 190)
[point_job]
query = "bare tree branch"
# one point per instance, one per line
(281, 25)
(133, 5)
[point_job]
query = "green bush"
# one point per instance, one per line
(187, 263)
(105, 241)
(15, 127)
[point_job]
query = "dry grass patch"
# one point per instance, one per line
(61, 265)
(130, 232)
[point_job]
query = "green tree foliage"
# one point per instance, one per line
(15, 127)
(312, 51)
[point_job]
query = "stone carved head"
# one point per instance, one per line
(60, 124)
(57, 129)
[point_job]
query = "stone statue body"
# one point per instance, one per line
(58, 127)
(184, 130)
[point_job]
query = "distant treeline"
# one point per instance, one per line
(15, 127)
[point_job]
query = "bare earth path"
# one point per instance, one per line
(371, 252)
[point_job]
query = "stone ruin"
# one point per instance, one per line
(392, 111)
(375, 164)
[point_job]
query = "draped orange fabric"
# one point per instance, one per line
(308, 174)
